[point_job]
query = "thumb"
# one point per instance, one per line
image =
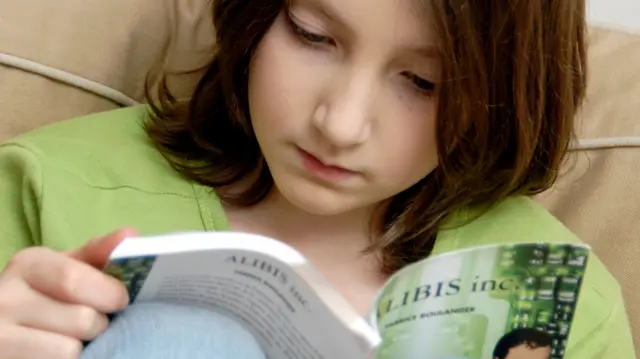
(97, 251)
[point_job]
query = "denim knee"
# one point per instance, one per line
(160, 330)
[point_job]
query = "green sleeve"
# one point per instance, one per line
(601, 329)
(621, 343)
(21, 195)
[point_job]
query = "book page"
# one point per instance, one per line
(268, 296)
(483, 303)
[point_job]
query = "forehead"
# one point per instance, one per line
(406, 21)
(523, 351)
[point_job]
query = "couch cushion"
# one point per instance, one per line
(598, 194)
(110, 43)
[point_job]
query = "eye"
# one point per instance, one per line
(308, 37)
(420, 83)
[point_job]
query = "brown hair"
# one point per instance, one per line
(514, 79)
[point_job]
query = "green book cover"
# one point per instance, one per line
(502, 302)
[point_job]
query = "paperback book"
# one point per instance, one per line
(490, 302)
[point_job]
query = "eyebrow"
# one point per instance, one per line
(428, 51)
(324, 9)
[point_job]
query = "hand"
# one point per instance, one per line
(52, 301)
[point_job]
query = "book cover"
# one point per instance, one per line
(483, 303)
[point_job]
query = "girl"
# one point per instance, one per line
(366, 133)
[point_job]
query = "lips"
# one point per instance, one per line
(326, 171)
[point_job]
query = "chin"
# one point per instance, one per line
(319, 203)
(318, 200)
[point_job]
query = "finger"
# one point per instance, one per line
(75, 321)
(60, 277)
(96, 252)
(22, 305)
(26, 343)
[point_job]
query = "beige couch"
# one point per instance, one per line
(106, 47)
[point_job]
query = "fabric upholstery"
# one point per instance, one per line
(113, 43)
(598, 193)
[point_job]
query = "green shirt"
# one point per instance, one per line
(66, 183)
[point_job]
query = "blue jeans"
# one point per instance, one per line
(157, 330)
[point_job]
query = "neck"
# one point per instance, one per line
(276, 217)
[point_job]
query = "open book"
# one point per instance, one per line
(479, 303)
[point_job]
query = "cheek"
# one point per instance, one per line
(265, 88)
(410, 145)
(279, 83)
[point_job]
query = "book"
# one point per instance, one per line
(501, 301)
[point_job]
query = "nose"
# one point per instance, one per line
(343, 118)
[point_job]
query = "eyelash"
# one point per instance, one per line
(308, 38)
(420, 83)
(313, 40)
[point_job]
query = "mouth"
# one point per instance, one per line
(318, 168)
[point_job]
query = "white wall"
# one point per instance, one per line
(620, 14)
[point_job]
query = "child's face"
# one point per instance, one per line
(349, 82)
(525, 352)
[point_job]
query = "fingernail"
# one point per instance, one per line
(124, 300)
(100, 324)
